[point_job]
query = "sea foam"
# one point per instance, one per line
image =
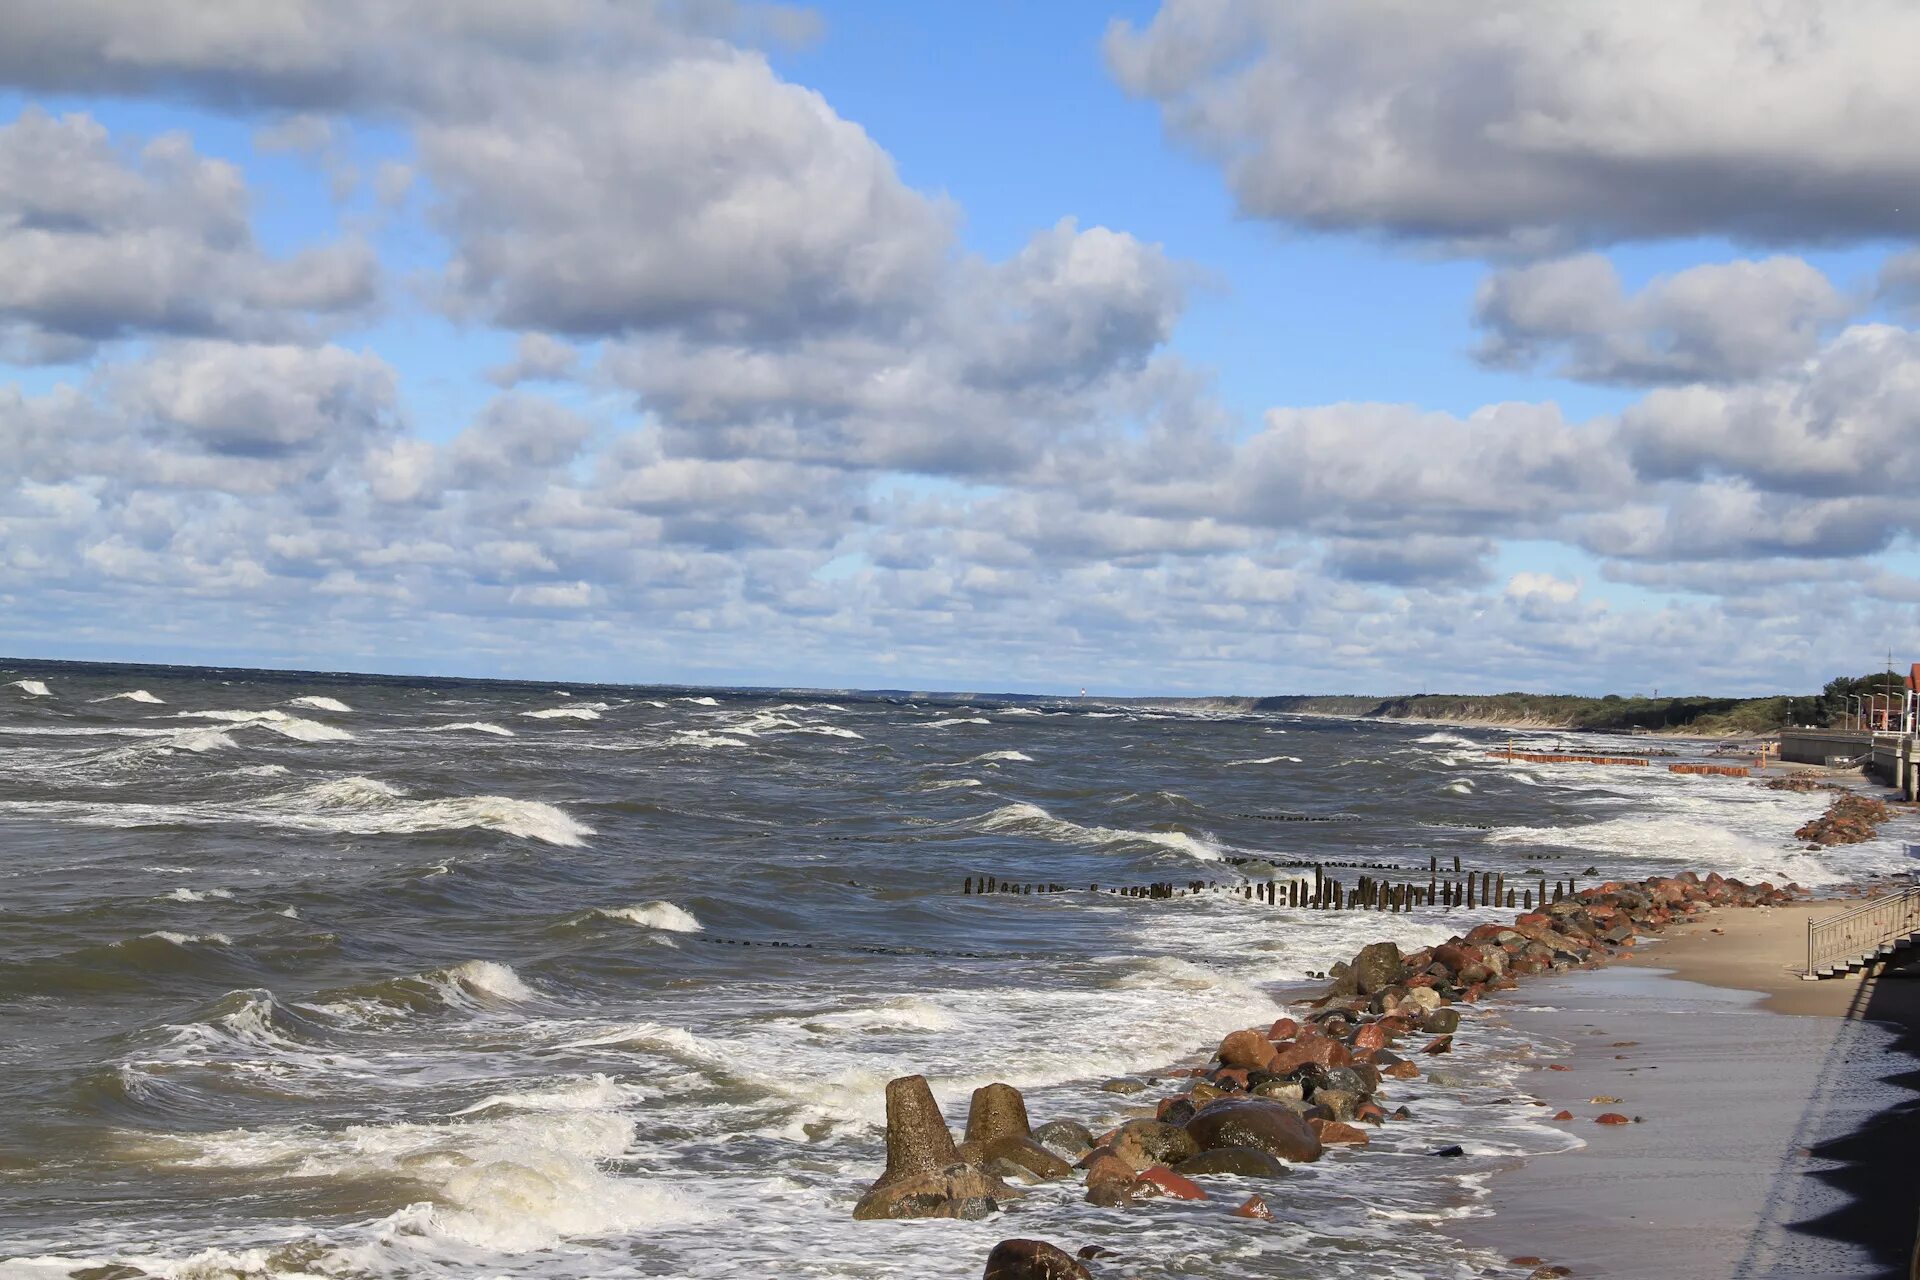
(1033, 820)
(318, 703)
(654, 915)
(32, 688)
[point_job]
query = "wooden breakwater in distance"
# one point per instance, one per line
(1534, 757)
(1325, 893)
(1713, 770)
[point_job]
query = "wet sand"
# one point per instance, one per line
(1767, 1144)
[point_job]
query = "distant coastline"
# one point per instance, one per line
(1694, 717)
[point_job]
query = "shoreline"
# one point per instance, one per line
(1536, 726)
(1773, 1138)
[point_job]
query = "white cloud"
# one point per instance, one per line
(1719, 322)
(1507, 123)
(101, 241)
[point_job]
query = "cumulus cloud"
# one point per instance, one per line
(1718, 322)
(101, 241)
(979, 374)
(1508, 124)
(1843, 426)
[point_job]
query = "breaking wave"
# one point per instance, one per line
(277, 721)
(1031, 819)
(32, 688)
(665, 916)
(369, 806)
(563, 713)
(318, 703)
(132, 695)
(1266, 760)
(997, 757)
(471, 726)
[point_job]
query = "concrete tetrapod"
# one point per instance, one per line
(925, 1177)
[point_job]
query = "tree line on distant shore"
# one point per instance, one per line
(1720, 717)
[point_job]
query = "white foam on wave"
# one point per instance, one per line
(1002, 757)
(355, 805)
(318, 703)
(198, 895)
(369, 806)
(32, 688)
(471, 726)
(1446, 740)
(1460, 787)
(187, 939)
(488, 980)
(511, 1183)
(132, 695)
(768, 722)
(1671, 824)
(950, 784)
(1266, 760)
(276, 721)
(158, 744)
(654, 915)
(563, 713)
(576, 1093)
(1034, 820)
(700, 702)
(704, 738)
(950, 721)
(1017, 711)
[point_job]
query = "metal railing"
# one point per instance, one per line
(1859, 932)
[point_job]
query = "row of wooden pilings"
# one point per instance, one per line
(1369, 893)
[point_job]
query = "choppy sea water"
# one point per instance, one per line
(310, 975)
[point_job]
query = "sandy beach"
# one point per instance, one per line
(1775, 1117)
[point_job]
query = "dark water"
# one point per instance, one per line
(484, 979)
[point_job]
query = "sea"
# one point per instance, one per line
(333, 975)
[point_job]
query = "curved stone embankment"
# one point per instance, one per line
(1273, 1095)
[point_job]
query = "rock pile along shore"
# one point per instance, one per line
(1272, 1095)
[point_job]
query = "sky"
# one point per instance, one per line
(1200, 346)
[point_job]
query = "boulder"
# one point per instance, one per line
(1255, 1207)
(1033, 1260)
(1245, 1049)
(1360, 1080)
(1162, 1181)
(1335, 1133)
(1338, 1103)
(1240, 1162)
(1144, 1143)
(1203, 1092)
(1175, 1111)
(1251, 1122)
(997, 1111)
(1441, 1022)
(1279, 1090)
(1109, 1178)
(1028, 1160)
(1378, 965)
(1317, 1052)
(1067, 1139)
